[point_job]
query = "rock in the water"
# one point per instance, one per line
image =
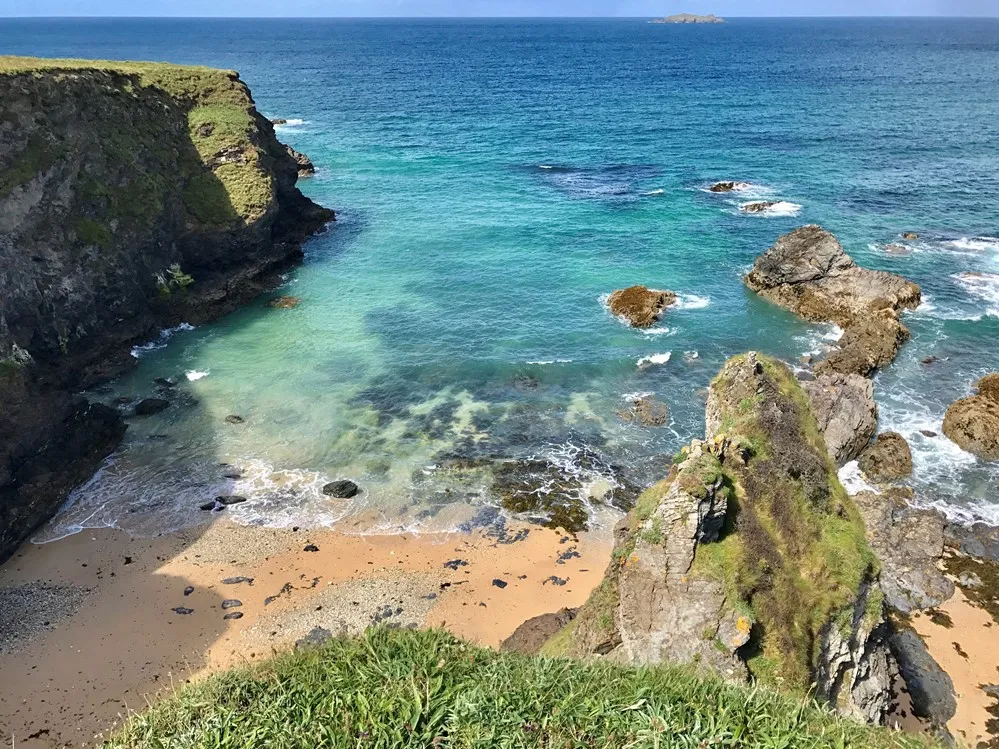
(888, 458)
(640, 306)
(230, 499)
(980, 541)
(897, 249)
(973, 422)
(234, 419)
(930, 688)
(910, 544)
(341, 489)
(647, 411)
(532, 634)
(305, 166)
(847, 414)
(150, 406)
(807, 272)
(909, 235)
(727, 186)
(279, 121)
(757, 206)
(284, 302)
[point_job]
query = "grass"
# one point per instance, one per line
(165, 124)
(394, 688)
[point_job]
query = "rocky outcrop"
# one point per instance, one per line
(133, 196)
(807, 272)
(305, 166)
(728, 186)
(844, 406)
(640, 306)
(757, 206)
(689, 18)
(530, 636)
(749, 560)
(910, 544)
(647, 411)
(973, 422)
(888, 459)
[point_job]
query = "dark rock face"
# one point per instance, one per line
(640, 306)
(305, 166)
(807, 272)
(888, 458)
(910, 544)
(532, 634)
(150, 406)
(979, 541)
(122, 211)
(342, 489)
(973, 423)
(930, 688)
(758, 206)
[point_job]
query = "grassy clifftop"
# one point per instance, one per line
(395, 689)
(221, 123)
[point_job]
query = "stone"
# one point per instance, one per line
(973, 422)
(233, 615)
(234, 419)
(757, 206)
(727, 186)
(807, 271)
(317, 637)
(305, 166)
(897, 249)
(928, 433)
(284, 302)
(238, 580)
(497, 583)
(909, 543)
(150, 406)
(930, 688)
(532, 634)
(847, 415)
(647, 411)
(640, 306)
(909, 235)
(188, 590)
(979, 541)
(182, 610)
(341, 489)
(231, 603)
(230, 499)
(889, 458)
(311, 547)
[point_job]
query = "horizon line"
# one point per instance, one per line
(483, 17)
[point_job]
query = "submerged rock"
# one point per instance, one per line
(909, 235)
(807, 272)
(284, 302)
(640, 306)
(647, 411)
(888, 458)
(973, 422)
(150, 406)
(341, 489)
(784, 574)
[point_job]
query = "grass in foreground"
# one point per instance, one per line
(394, 688)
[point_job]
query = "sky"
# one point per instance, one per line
(493, 8)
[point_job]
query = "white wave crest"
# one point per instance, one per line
(691, 301)
(656, 331)
(983, 286)
(852, 479)
(772, 210)
(660, 191)
(193, 375)
(975, 244)
(654, 359)
(290, 123)
(160, 341)
(549, 361)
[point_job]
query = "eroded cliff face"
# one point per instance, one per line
(133, 196)
(749, 560)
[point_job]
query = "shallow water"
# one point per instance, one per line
(494, 180)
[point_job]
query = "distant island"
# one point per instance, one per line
(689, 18)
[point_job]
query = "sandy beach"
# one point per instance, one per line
(94, 625)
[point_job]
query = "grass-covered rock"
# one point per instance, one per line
(749, 560)
(397, 689)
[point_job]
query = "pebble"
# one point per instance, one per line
(311, 547)
(555, 580)
(231, 603)
(454, 564)
(182, 610)
(237, 580)
(188, 590)
(234, 615)
(499, 583)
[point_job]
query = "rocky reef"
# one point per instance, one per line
(640, 306)
(133, 196)
(749, 560)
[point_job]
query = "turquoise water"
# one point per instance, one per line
(494, 179)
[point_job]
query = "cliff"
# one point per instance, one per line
(749, 560)
(133, 196)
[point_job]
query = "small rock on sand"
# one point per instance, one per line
(234, 419)
(182, 610)
(499, 583)
(231, 603)
(233, 615)
(341, 489)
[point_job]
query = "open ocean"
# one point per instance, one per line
(494, 180)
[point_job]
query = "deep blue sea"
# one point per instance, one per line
(494, 180)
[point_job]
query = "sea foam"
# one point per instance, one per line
(160, 341)
(646, 361)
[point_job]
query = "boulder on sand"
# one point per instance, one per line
(973, 422)
(640, 306)
(807, 271)
(888, 458)
(341, 489)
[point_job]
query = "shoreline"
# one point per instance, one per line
(105, 624)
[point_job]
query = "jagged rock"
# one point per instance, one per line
(701, 579)
(973, 422)
(532, 634)
(757, 206)
(647, 411)
(807, 272)
(727, 186)
(980, 541)
(150, 406)
(909, 235)
(341, 489)
(888, 458)
(640, 306)
(844, 406)
(930, 688)
(910, 545)
(305, 166)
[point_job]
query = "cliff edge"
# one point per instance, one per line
(133, 196)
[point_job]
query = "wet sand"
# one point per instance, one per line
(119, 627)
(962, 638)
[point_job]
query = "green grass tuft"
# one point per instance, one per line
(393, 688)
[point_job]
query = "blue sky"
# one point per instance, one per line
(411, 8)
